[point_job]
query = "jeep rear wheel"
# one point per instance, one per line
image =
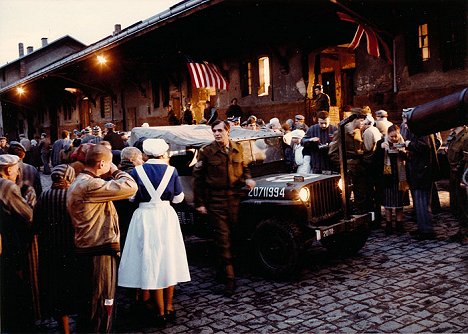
(277, 247)
(348, 243)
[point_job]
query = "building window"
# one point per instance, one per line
(102, 107)
(67, 112)
(246, 78)
(423, 36)
(263, 76)
(453, 41)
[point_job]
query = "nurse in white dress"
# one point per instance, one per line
(154, 257)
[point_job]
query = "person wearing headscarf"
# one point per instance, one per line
(57, 278)
(154, 257)
(391, 156)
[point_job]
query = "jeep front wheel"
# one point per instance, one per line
(277, 247)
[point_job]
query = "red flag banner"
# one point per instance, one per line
(205, 74)
(373, 46)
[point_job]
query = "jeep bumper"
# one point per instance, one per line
(343, 226)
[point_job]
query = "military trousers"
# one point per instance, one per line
(223, 209)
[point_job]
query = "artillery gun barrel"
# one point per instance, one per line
(442, 114)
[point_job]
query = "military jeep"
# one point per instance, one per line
(283, 214)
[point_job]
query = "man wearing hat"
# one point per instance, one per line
(29, 175)
(97, 135)
(113, 137)
(381, 121)
(15, 222)
(29, 182)
(3, 145)
(86, 135)
(97, 236)
(220, 174)
(321, 101)
(354, 148)
(299, 123)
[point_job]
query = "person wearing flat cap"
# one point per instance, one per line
(97, 236)
(299, 123)
(15, 225)
(220, 175)
(29, 176)
(154, 257)
(114, 138)
(354, 148)
(381, 121)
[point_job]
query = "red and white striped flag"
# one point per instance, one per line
(205, 74)
(372, 38)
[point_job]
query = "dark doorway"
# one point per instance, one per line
(347, 87)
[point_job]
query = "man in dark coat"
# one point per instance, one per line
(423, 170)
(234, 110)
(321, 101)
(114, 138)
(316, 143)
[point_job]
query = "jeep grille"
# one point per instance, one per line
(325, 199)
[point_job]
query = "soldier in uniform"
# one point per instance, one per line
(457, 144)
(220, 174)
(354, 155)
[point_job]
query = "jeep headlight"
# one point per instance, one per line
(304, 194)
(340, 184)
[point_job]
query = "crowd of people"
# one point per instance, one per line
(60, 248)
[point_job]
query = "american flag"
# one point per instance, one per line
(205, 74)
(372, 38)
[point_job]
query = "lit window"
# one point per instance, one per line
(264, 76)
(246, 78)
(423, 35)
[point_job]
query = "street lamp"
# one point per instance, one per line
(102, 60)
(20, 91)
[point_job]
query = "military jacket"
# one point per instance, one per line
(455, 150)
(219, 171)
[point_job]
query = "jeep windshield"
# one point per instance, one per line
(262, 149)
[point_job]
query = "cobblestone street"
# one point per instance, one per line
(394, 284)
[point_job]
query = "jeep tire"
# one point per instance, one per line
(277, 247)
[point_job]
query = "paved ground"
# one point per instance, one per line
(394, 284)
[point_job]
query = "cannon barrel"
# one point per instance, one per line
(442, 114)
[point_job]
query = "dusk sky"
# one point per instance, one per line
(27, 21)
